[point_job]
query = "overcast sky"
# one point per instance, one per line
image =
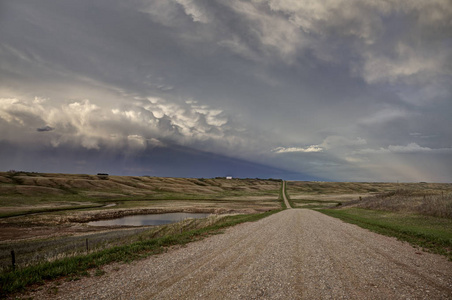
(341, 90)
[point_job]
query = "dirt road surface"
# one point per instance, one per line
(284, 195)
(294, 254)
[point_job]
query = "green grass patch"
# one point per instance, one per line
(431, 233)
(17, 280)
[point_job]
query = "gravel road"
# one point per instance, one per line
(295, 254)
(284, 195)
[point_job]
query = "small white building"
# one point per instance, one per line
(228, 177)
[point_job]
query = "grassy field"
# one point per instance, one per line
(330, 194)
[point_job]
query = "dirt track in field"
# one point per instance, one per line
(295, 254)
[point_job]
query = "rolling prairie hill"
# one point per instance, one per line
(25, 193)
(104, 186)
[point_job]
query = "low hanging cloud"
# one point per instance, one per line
(410, 148)
(333, 142)
(385, 115)
(309, 149)
(337, 141)
(44, 129)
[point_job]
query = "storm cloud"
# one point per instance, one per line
(337, 90)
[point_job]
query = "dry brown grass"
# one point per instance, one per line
(410, 201)
(28, 190)
(316, 188)
(321, 194)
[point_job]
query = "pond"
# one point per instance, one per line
(154, 219)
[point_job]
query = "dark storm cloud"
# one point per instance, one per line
(166, 162)
(322, 86)
(44, 129)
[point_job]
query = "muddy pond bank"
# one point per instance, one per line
(149, 219)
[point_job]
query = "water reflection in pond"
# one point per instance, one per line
(142, 220)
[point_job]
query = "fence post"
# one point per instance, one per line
(87, 248)
(13, 259)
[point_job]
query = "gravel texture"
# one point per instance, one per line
(295, 254)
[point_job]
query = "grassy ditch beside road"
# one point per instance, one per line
(73, 267)
(430, 233)
(420, 216)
